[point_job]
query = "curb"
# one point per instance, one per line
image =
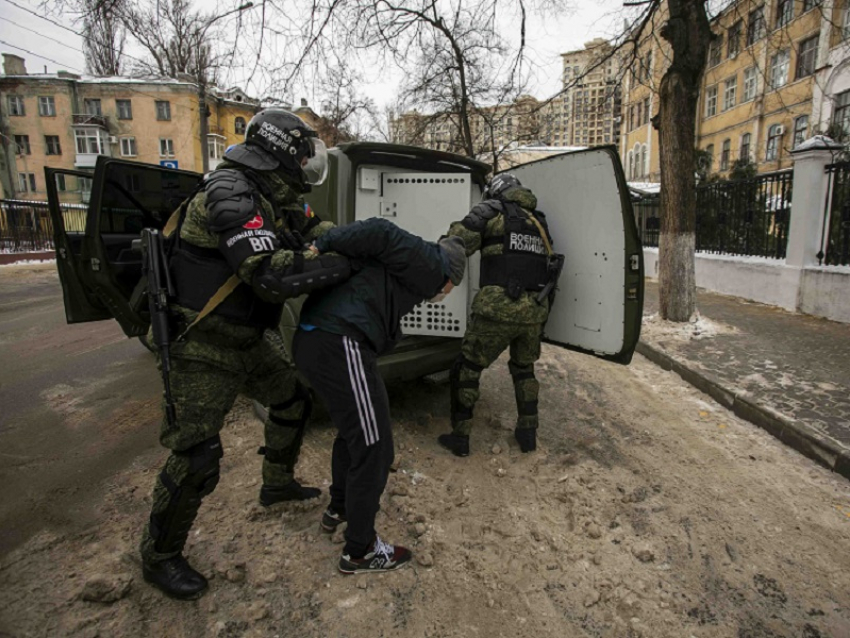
(791, 432)
(12, 258)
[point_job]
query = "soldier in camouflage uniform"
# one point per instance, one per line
(507, 311)
(247, 219)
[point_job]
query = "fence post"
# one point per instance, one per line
(810, 191)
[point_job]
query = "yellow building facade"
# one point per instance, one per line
(756, 100)
(66, 121)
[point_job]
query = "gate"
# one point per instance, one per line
(835, 229)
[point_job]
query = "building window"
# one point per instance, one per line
(52, 143)
(646, 111)
(724, 155)
(808, 5)
(733, 39)
(841, 114)
(709, 161)
(125, 109)
(46, 106)
(215, 145)
(644, 161)
(730, 90)
(92, 106)
(744, 154)
(128, 147)
(60, 182)
(806, 57)
(774, 136)
(784, 12)
(801, 130)
(16, 105)
(779, 69)
(711, 101)
(647, 66)
(89, 142)
(750, 83)
(166, 147)
(845, 24)
(26, 182)
(239, 126)
(163, 110)
(715, 49)
(22, 144)
(755, 26)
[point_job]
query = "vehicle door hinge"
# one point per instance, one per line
(95, 264)
(634, 261)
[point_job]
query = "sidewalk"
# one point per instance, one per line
(786, 373)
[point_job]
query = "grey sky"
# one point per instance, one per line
(53, 47)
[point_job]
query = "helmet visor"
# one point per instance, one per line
(316, 168)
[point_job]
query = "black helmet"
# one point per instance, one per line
(499, 184)
(276, 138)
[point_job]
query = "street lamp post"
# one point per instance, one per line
(202, 85)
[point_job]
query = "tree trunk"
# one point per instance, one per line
(688, 32)
(677, 282)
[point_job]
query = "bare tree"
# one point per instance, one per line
(687, 30)
(458, 64)
(104, 37)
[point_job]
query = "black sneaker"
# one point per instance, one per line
(381, 557)
(457, 444)
(175, 577)
(331, 520)
(293, 491)
(527, 439)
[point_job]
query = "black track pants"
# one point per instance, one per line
(344, 373)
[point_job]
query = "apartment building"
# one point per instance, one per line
(591, 102)
(493, 128)
(65, 120)
(776, 74)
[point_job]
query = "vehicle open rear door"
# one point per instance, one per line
(125, 198)
(81, 302)
(599, 304)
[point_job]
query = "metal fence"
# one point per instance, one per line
(744, 217)
(25, 226)
(835, 235)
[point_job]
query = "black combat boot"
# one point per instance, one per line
(293, 491)
(527, 439)
(176, 577)
(457, 444)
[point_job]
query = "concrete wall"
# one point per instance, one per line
(823, 292)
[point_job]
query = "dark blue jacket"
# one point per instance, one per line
(393, 271)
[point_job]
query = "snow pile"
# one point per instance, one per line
(698, 327)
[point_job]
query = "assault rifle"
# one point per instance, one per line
(554, 266)
(160, 288)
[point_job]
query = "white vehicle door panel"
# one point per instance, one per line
(582, 196)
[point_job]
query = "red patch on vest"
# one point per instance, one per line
(255, 223)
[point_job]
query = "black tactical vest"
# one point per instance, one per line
(198, 273)
(522, 266)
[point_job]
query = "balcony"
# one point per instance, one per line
(84, 119)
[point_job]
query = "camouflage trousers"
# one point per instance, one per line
(485, 340)
(206, 378)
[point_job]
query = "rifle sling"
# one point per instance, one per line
(220, 295)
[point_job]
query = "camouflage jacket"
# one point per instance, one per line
(493, 302)
(293, 215)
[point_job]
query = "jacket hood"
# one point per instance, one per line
(522, 196)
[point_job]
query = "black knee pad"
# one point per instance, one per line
(170, 528)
